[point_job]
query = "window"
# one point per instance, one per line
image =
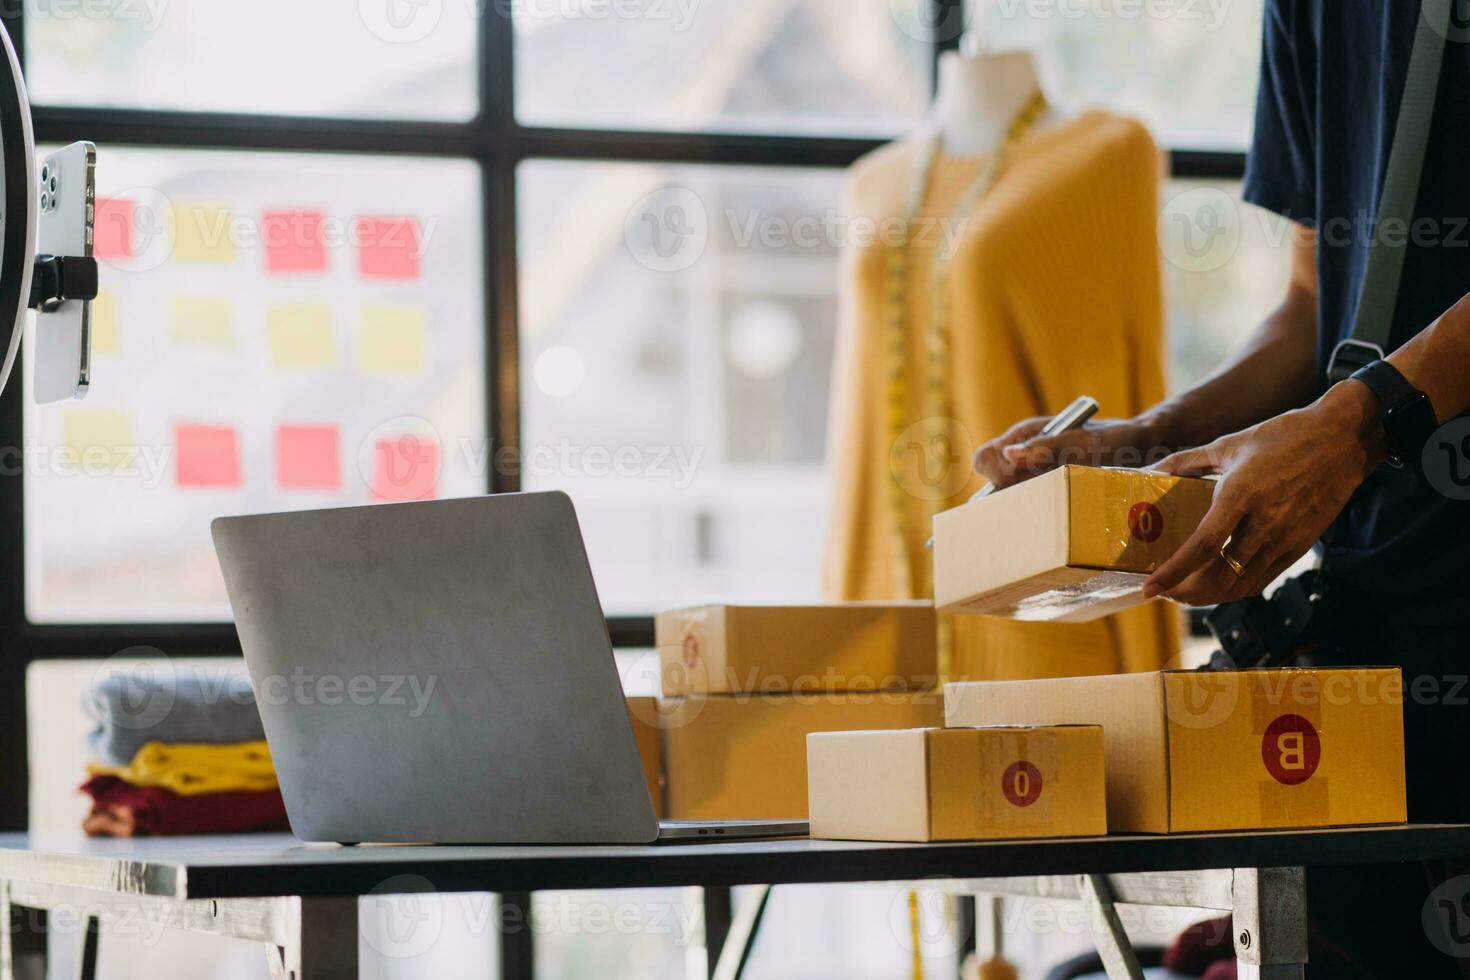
(384, 59)
(274, 332)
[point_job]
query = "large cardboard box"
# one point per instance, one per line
(770, 649)
(953, 784)
(644, 713)
(1207, 751)
(739, 757)
(1073, 545)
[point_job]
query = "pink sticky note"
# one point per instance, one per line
(113, 237)
(206, 456)
(405, 468)
(308, 457)
(388, 248)
(294, 242)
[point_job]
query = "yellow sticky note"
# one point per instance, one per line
(202, 234)
(104, 324)
(392, 340)
(301, 335)
(98, 440)
(202, 321)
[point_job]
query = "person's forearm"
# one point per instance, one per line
(1437, 362)
(1273, 373)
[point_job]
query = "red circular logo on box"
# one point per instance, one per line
(1291, 750)
(1146, 522)
(1021, 784)
(691, 655)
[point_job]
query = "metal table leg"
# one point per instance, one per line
(1269, 906)
(304, 939)
(1271, 923)
(1118, 956)
(22, 939)
(320, 941)
(741, 938)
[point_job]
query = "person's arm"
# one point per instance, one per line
(1285, 481)
(1270, 374)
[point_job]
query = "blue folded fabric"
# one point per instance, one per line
(160, 703)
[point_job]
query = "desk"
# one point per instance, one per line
(300, 900)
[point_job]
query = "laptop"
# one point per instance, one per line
(440, 672)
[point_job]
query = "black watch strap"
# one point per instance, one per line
(1408, 416)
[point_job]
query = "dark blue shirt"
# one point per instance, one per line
(1332, 78)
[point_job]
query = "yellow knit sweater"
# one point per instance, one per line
(1054, 293)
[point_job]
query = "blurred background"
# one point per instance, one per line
(432, 237)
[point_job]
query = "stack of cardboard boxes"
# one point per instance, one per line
(1168, 752)
(743, 687)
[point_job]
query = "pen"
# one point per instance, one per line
(1074, 416)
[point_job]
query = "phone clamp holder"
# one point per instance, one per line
(57, 279)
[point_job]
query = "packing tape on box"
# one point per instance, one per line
(1027, 766)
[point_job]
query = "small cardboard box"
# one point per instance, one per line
(1210, 751)
(1073, 545)
(743, 757)
(771, 649)
(954, 784)
(644, 714)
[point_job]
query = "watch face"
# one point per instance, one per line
(1409, 424)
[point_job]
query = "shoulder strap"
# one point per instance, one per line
(1379, 298)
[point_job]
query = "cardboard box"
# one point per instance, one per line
(1073, 545)
(771, 649)
(744, 757)
(1246, 750)
(953, 784)
(644, 714)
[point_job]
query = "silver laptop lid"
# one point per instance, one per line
(436, 672)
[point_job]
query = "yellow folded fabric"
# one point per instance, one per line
(190, 770)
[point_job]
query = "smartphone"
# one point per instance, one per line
(62, 347)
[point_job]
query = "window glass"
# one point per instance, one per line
(381, 58)
(1187, 67)
(808, 66)
(1226, 268)
(676, 343)
(273, 332)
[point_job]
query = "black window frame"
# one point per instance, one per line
(496, 141)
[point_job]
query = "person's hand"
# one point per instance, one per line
(1021, 453)
(1282, 485)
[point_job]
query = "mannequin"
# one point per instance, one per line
(980, 92)
(1048, 288)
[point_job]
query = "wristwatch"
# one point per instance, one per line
(1408, 415)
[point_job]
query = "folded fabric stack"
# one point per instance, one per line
(178, 755)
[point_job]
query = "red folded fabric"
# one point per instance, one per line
(120, 809)
(1223, 970)
(1201, 945)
